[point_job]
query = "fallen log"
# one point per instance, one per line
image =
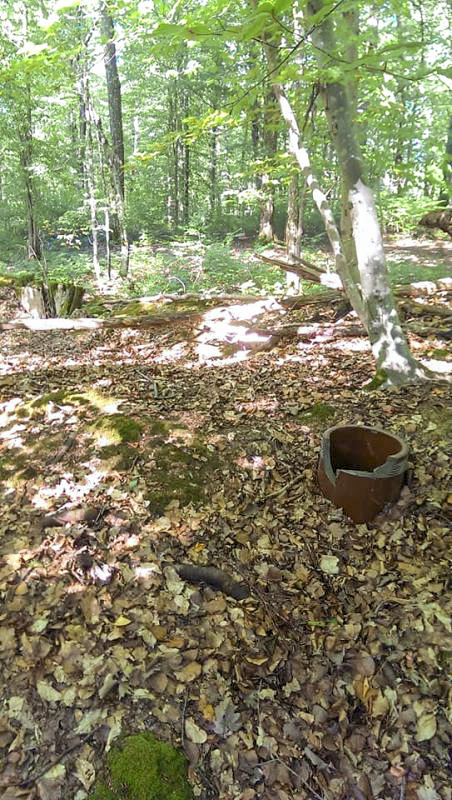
(261, 304)
(422, 309)
(304, 269)
(93, 323)
(440, 218)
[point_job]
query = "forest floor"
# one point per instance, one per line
(125, 453)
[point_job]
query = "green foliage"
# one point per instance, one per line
(144, 768)
(72, 224)
(401, 213)
(58, 267)
(182, 116)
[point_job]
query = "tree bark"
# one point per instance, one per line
(89, 170)
(446, 195)
(389, 345)
(186, 150)
(26, 160)
(270, 141)
(173, 126)
(116, 131)
(293, 231)
(214, 193)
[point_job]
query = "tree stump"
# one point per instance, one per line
(46, 301)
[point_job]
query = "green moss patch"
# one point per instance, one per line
(180, 473)
(441, 354)
(320, 412)
(95, 309)
(89, 399)
(136, 309)
(144, 768)
(120, 457)
(113, 429)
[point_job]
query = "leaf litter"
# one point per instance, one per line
(329, 680)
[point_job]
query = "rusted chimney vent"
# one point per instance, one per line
(361, 469)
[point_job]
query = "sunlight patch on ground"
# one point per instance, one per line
(444, 367)
(360, 345)
(67, 487)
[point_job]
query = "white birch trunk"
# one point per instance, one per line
(395, 363)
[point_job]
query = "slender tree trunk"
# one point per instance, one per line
(82, 142)
(136, 134)
(33, 238)
(270, 142)
(394, 360)
(255, 141)
(116, 131)
(26, 160)
(293, 232)
(446, 195)
(186, 152)
(107, 243)
(173, 126)
(214, 194)
(90, 177)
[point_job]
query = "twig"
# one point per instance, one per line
(182, 733)
(402, 788)
(284, 488)
(302, 780)
(84, 738)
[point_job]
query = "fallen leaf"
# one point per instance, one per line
(189, 673)
(193, 732)
(121, 621)
(426, 727)
(227, 719)
(329, 565)
(47, 692)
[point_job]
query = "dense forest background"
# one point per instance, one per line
(211, 258)
(159, 121)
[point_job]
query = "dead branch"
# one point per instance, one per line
(441, 218)
(93, 323)
(213, 577)
(421, 309)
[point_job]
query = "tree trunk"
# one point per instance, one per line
(90, 174)
(389, 345)
(255, 141)
(116, 131)
(186, 150)
(293, 231)
(270, 141)
(214, 194)
(446, 195)
(26, 159)
(92, 202)
(173, 126)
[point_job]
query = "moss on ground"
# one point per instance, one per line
(319, 412)
(137, 309)
(181, 473)
(119, 456)
(144, 768)
(115, 429)
(95, 308)
(89, 398)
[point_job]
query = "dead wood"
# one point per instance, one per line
(93, 323)
(213, 577)
(421, 309)
(424, 288)
(70, 516)
(325, 298)
(441, 218)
